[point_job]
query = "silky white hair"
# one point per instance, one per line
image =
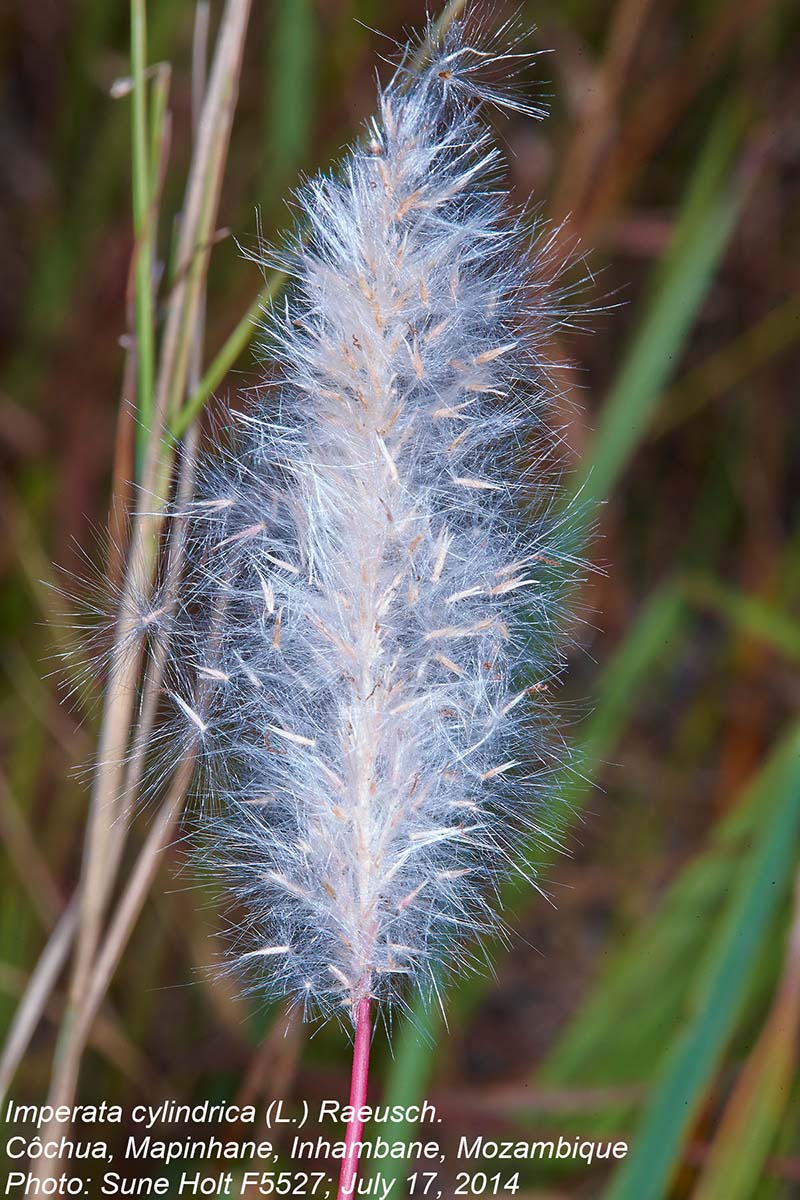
(368, 627)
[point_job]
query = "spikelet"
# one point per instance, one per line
(369, 620)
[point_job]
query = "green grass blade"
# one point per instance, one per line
(158, 118)
(290, 74)
(142, 225)
(235, 344)
(653, 973)
(695, 1055)
(754, 1113)
(705, 224)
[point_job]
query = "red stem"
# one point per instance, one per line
(358, 1097)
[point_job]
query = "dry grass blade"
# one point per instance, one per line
(197, 222)
(274, 1066)
(227, 355)
(202, 197)
(199, 212)
(78, 1022)
(600, 114)
(108, 1035)
(114, 784)
(657, 112)
(151, 687)
(131, 902)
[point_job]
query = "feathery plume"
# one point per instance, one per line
(370, 621)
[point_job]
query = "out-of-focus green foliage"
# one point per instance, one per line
(670, 148)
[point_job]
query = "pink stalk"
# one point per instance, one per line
(358, 1097)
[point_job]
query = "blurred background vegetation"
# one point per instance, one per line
(660, 1000)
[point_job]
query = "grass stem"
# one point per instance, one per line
(358, 1097)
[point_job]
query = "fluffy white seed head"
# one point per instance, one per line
(369, 623)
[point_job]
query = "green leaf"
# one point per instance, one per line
(290, 76)
(680, 285)
(720, 990)
(652, 974)
(753, 1115)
